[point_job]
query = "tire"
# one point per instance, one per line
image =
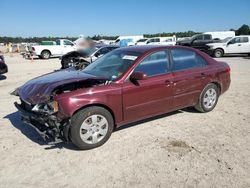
(207, 103)
(218, 53)
(86, 135)
(45, 54)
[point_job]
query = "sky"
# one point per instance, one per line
(30, 18)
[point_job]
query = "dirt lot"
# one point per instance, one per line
(180, 149)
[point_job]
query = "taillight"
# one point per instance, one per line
(33, 49)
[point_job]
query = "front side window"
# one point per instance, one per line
(157, 40)
(67, 43)
(199, 37)
(150, 40)
(235, 40)
(154, 64)
(207, 37)
(186, 59)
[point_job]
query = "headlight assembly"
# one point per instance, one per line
(48, 108)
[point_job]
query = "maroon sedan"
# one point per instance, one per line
(123, 86)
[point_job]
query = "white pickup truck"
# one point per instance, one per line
(62, 47)
(236, 45)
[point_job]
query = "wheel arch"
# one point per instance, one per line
(219, 48)
(218, 84)
(98, 105)
(46, 50)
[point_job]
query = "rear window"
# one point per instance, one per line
(186, 59)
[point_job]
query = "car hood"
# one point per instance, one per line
(187, 41)
(217, 44)
(39, 90)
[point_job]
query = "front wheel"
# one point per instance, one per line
(218, 53)
(91, 127)
(208, 98)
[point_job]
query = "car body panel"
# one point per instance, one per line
(151, 96)
(129, 101)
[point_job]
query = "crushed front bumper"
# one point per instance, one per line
(46, 125)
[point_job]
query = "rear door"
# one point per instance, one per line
(152, 95)
(190, 73)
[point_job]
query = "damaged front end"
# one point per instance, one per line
(39, 108)
(43, 118)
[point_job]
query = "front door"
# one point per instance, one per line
(68, 46)
(152, 95)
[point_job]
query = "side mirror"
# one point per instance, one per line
(229, 43)
(135, 76)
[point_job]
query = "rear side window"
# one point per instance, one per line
(244, 39)
(154, 64)
(186, 59)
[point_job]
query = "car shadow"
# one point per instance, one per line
(31, 133)
(234, 55)
(189, 110)
(3, 77)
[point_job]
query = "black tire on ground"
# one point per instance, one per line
(201, 105)
(218, 53)
(45, 54)
(80, 117)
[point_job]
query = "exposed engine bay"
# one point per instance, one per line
(43, 116)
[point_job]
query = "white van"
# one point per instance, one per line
(235, 45)
(170, 41)
(220, 35)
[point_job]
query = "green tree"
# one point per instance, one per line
(243, 30)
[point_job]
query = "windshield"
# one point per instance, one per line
(226, 39)
(112, 65)
(195, 36)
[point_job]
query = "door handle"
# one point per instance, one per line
(168, 82)
(239, 44)
(203, 75)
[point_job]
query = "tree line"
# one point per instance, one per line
(243, 30)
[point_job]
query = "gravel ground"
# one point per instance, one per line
(180, 149)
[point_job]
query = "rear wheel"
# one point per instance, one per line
(208, 98)
(91, 127)
(45, 54)
(218, 53)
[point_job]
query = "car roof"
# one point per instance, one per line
(149, 48)
(106, 45)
